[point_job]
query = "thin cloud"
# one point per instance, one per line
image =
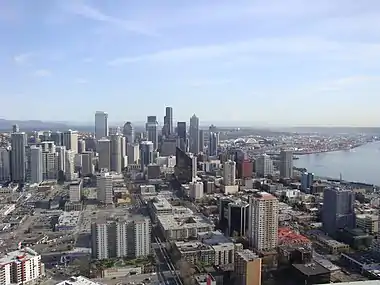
(23, 58)
(42, 73)
(260, 47)
(92, 13)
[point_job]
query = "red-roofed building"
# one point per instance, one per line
(286, 236)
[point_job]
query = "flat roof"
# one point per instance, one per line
(18, 255)
(80, 280)
(311, 269)
(184, 221)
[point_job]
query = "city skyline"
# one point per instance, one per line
(265, 63)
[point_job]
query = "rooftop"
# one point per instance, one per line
(311, 269)
(287, 236)
(80, 280)
(184, 221)
(18, 255)
(247, 255)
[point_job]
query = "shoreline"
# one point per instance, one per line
(330, 150)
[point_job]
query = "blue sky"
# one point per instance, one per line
(264, 62)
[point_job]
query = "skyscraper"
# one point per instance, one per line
(264, 165)
(338, 210)
(181, 133)
(286, 164)
(168, 122)
(229, 173)
(129, 132)
(36, 164)
(194, 134)
(116, 153)
(146, 153)
(213, 144)
(104, 150)
(101, 124)
(201, 140)
(18, 156)
(152, 130)
(5, 164)
(263, 226)
(70, 140)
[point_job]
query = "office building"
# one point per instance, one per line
(104, 151)
(75, 191)
(133, 153)
(168, 147)
(182, 137)
(129, 132)
(229, 173)
(168, 122)
(81, 146)
(104, 184)
(146, 153)
(36, 164)
(87, 163)
(18, 156)
(70, 140)
(116, 153)
(57, 138)
(126, 236)
(15, 128)
(22, 266)
(201, 140)
(264, 166)
(60, 160)
(213, 144)
(247, 268)
(196, 190)
(338, 210)
(194, 134)
(5, 164)
(70, 165)
(49, 167)
(238, 218)
(286, 164)
(101, 125)
(152, 130)
(307, 179)
(263, 226)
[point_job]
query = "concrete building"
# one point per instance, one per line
(78, 280)
(247, 268)
(229, 173)
(22, 266)
(81, 146)
(36, 164)
(264, 166)
(101, 125)
(104, 185)
(18, 157)
(104, 150)
(70, 165)
(286, 164)
(125, 236)
(201, 140)
(368, 223)
(263, 226)
(194, 134)
(5, 164)
(75, 191)
(133, 153)
(70, 140)
(116, 153)
(87, 163)
(196, 190)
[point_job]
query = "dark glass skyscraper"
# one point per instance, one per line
(168, 121)
(181, 132)
(338, 210)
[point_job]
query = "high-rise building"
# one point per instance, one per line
(87, 163)
(81, 146)
(229, 173)
(36, 164)
(18, 156)
(22, 266)
(238, 214)
(128, 236)
(101, 125)
(286, 164)
(57, 138)
(152, 130)
(104, 150)
(15, 129)
(201, 140)
(182, 137)
(133, 153)
(146, 153)
(104, 184)
(264, 165)
(129, 132)
(75, 191)
(60, 161)
(116, 153)
(196, 190)
(338, 210)
(247, 268)
(213, 144)
(5, 164)
(70, 140)
(307, 179)
(168, 122)
(70, 165)
(49, 170)
(194, 134)
(263, 226)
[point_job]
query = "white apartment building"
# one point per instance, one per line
(125, 236)
(264, 165)
(104, 183)
(263, 227)
(229, 173)
(20, 267)
(70, 165)
(133, 153)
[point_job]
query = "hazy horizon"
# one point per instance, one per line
(295, 62)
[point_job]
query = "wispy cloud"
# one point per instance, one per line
(259, 47)
(23, 58)
(42, 73)
(91, 13)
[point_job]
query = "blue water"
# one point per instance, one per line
(361, 164)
